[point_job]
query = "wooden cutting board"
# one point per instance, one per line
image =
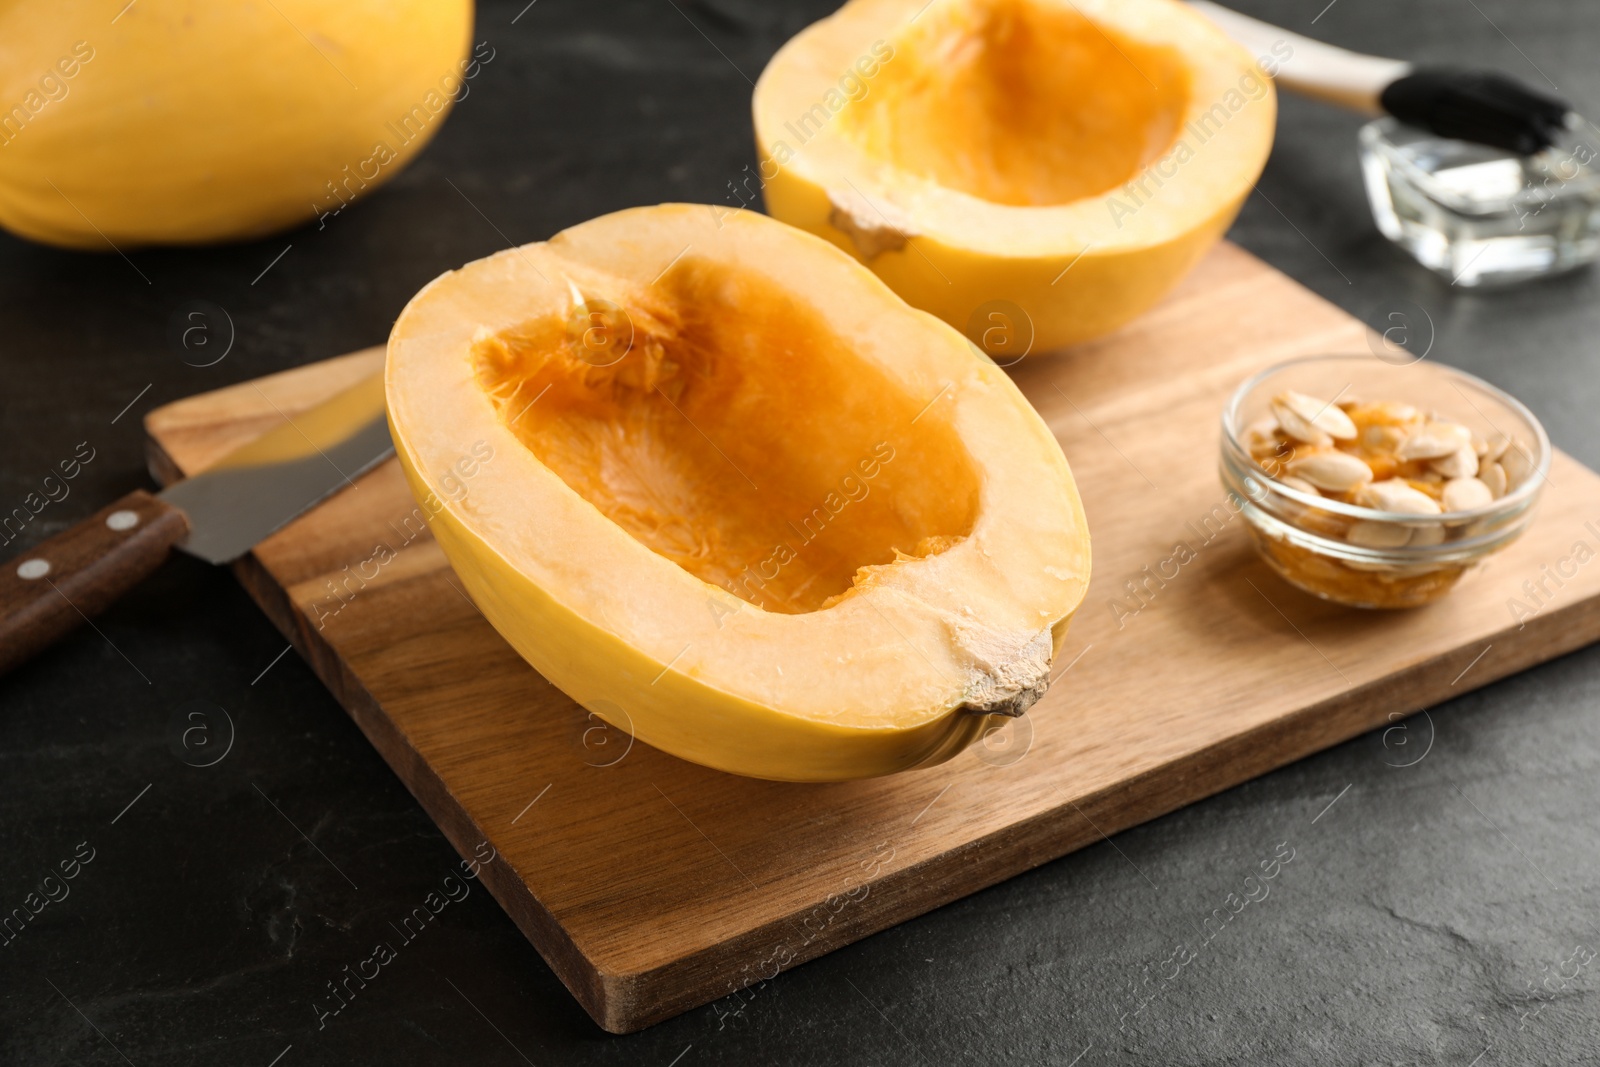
(652, 886)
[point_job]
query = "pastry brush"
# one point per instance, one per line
(1482, 106)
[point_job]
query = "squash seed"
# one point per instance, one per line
(1517, 464)
(1435, 440)
(1299, 429)
(1431, 534)
(1372, 534)
(1462, 463)
(1322, 414)
(1370, 568)
(1466, 494)
(1299, 483)
(1396, 495)
(1494, 476)
(1337, 472)
(1495, 447)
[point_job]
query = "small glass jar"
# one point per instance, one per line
(1334, 549)
(1482, 216)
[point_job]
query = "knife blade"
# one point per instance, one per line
(261, 485)
(218, 515)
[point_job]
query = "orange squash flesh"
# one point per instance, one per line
(701, 443)
(1021, 103)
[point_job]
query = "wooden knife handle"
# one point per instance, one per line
(54, 586)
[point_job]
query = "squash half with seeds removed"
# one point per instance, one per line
(716, 482)
(1039, 168)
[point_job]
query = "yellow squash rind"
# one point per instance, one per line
(905, 667)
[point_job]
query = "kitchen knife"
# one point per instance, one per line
(218, 515)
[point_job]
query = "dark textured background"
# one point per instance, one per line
(1416, 915)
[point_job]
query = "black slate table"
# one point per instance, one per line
(1436, 908)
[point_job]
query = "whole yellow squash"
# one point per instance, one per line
(189, 121)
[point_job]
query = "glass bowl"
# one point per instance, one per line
(1357, 555)
(1481, 216)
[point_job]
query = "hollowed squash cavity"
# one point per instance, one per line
(737, 437)
(1021, 103)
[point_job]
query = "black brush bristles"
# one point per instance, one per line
(1480, 106)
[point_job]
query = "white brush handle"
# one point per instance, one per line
(1321, 71)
